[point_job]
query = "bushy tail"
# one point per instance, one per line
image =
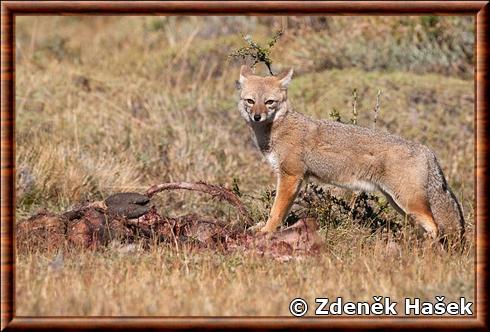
(444, 206)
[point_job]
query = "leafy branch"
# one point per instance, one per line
(256, 52)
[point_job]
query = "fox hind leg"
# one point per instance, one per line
(393, 203)
(418, 210)
(427, 222)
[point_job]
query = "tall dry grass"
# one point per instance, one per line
(162, 281)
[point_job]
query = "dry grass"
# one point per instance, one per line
(164, 282)
(111, 104)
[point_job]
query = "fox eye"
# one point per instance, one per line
(270, 102)
(250, 101)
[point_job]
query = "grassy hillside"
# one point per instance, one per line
(107, 104)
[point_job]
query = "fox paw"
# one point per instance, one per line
(257, 227)
(265, 230)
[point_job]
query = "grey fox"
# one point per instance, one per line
(297, 147)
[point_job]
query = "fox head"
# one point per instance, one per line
(262, 99)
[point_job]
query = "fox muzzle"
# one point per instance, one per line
(258, 117)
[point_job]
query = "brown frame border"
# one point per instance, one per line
(9, 9)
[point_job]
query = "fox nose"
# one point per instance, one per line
(257, 117)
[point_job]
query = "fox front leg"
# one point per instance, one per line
(287, 189)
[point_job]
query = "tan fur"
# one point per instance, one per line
(349, 156)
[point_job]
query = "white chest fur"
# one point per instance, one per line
(273, 160)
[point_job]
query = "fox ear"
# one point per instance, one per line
(245, 72)
(285, 78)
